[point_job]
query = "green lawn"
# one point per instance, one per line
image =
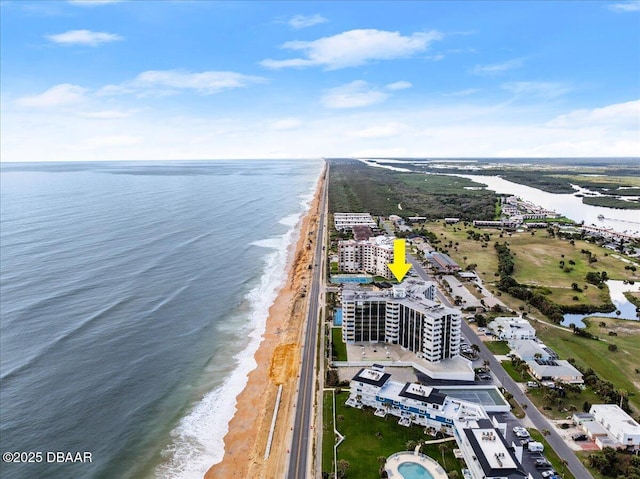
(498, 347)
(537, 260)
(618, 367)
(339, 348)
(536, 395)
(551, 454)
(328, 438)
(362, 448)
(515, 375)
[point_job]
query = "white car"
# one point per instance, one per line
(520, 432)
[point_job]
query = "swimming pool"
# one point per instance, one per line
(337, 317)
(413, 470)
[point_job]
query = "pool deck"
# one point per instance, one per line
(431, 465)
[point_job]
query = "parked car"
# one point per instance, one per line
(520, 432)
(579, 437)
(549, 473)
(543, 463)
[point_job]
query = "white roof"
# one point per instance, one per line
(494, 449)
(561, 368)
(615, 417)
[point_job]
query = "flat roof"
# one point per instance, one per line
(371, 376)
(422, 393)
(484, 395)
(494, 455)
(594, 428)
(615, 417)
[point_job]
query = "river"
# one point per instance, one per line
(569, 205)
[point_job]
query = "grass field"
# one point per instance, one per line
(339, 348)
(536, 262)
(618, 367)
(537, 397)
(362, 448)
(328, 438)
(515, 375)
(498, 347)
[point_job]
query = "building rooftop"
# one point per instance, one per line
(553, 368)
(372, 376)
(422, 393)
(528, 348)
(615, 418)
(496, 458)
(594, 428)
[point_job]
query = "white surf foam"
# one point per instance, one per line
(197, 442)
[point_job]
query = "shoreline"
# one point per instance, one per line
(278, 363)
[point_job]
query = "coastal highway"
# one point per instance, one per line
(539, 421)
(302, 432)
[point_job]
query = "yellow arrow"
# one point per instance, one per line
(399, 267)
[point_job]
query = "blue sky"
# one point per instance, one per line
(127, 80)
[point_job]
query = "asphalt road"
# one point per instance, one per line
(539, 421)
(302, 433)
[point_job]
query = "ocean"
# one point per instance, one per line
(132, 299)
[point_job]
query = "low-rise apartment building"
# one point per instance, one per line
(346, 221)
(480, 438)
(507, 328)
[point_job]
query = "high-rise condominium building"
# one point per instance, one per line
(407, 315)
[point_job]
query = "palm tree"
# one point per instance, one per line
(623, 394)
(443, 449)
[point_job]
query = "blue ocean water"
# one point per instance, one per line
(132, 298)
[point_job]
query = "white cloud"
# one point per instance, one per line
(435, 58)
(506, 129)
(83, 37)
(61, 95)
(387, 130)
(105, 114)
(620, 115)
(465, 92)
(496, 68)
(399, 85)
(286, 124)
(304, 21)
(353, 95)
(354, 48)
(162, 82)
(623, 7)
(380, 153)
(546, 90)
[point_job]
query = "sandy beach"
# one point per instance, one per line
(278, 363)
